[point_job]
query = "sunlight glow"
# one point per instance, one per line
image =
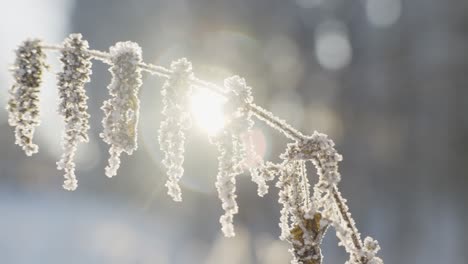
(207, 110)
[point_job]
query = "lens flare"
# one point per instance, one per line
(207, 110)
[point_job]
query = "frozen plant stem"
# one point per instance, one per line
(259, 112)
(304, 218)
(346, 217)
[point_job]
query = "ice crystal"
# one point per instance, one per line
(259, 175)
(300, 223)
(240, 98)
(176, 92)
(235, 146)
(291, 195)
(320, 150)
(23, 105)
(71, 81)
(370, 249)
(232, 153)
(279, 124)
(121, 112)
(304, 217)
(327, 199)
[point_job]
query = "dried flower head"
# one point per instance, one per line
(176, 92)
(23, 105)
(71, 81)
(121, 112)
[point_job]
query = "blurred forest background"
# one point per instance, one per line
(386, 79)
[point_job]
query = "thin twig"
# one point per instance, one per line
(160, 71)
(275, 122)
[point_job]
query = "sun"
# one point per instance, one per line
(207, 110)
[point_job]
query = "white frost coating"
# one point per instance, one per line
(239, 100)
(321, 151)
(370, 249)
(279, 124)
(176, 92)
(23, 105)
(290, 196)
(234, 150)
(298, 215)
(71, 81)
(229, 166)
(259, 178)
(304, 220)
(328, 200)
(121, 112)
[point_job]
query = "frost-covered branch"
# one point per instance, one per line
(300, 221)
(327, 199)
(305, 216)
(239, 99)
(160, 71)
(236, 149)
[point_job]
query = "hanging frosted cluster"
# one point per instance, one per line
(232, 154)
(305, 216)
(23, 105)
(176, 94)
(236, 150)
(121, 111)
(239, 104)
(72, 107)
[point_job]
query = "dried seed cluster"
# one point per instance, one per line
(121, 111)
(23, 105)
(72, 107)
(176, 94)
